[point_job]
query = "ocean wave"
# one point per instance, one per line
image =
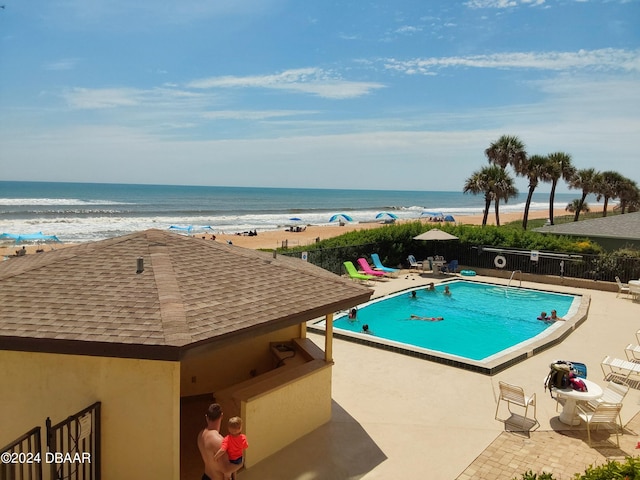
(55, 201)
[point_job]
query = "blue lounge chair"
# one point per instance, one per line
(378, 264)
(451, 267)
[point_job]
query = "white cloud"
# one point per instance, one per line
(252, 114)
(314, 81)
(105, 98)
(63, 64)
(604, 59)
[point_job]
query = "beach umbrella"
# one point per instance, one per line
(189, 229)
(387, 214)
(340, 217)
(295, 219)
(431, 214)
(435, 234)
(38, 237)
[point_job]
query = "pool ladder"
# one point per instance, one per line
(513, 274)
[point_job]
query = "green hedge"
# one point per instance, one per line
(629, 470)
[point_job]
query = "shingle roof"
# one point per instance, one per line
(89, 299)
(624, 227)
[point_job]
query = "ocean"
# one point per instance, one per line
(81, 212)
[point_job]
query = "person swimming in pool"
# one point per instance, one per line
(431, 287)
(543, 317)
(446, 290)
(413, 294)
(427, 319)
(554, 316)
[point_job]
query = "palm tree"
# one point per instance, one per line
(576, 205)
(503, 188)
(629, 195)
(534, 169)
(608, 187)
(586, 179)
(481, 182)
(558, 166)
(507, 150)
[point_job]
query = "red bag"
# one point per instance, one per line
(578, 384)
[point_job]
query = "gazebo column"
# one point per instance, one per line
(328, 338)
(303, 330)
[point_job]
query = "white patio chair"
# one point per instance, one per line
(620, 368)
(513, 394)
(613, 393)
(605, 413)
(622, 287)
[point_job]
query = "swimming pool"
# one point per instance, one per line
(483, 324)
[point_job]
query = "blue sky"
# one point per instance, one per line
(337, 94)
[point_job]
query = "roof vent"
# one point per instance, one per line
(140, 265)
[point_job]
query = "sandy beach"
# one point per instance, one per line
(277, 238)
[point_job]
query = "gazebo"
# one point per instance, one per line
(154, 325)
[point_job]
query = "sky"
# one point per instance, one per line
(397, 95)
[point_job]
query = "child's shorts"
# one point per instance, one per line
(236, 461)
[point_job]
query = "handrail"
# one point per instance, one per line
(513, 275)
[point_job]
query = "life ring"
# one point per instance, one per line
(500, 261)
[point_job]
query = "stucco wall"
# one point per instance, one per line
(295, 409)
(209, 368)
(140, 406)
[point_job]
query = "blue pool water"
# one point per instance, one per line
(480, 319)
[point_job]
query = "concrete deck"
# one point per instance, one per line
(397, 415)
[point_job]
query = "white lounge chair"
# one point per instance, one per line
(622, 287)
(607, 413)
(632, 352)
(514, 394)
(413, 263)
(620, 368)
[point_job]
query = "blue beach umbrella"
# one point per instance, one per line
(387, 214)
(340, 217)
(295, 219)
(189, 229)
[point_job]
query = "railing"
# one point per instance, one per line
(603, 267)
(73, 446)
(22, 458)
(513, 274)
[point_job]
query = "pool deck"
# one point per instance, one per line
(395, 415)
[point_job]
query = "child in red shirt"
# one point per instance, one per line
(234, 444)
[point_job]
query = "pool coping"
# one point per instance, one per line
(490, 367)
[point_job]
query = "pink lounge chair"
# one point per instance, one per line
(366, 268)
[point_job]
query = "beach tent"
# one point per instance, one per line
(449, 218)
(387, 214)
(189, 229)
(340, 217)
(38, 237)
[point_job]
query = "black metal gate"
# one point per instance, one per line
(73, 446)
(22, 458)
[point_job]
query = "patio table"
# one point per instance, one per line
(569, 415)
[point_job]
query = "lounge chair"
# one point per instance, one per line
(619, 368)
(354, 274)
(622, 287)
(513, 394)
(413, 263)
(632, 352)
(378, 264)
(366, 268)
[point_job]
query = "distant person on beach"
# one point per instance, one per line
(234, 445)
(427, 319)
(21, 252)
